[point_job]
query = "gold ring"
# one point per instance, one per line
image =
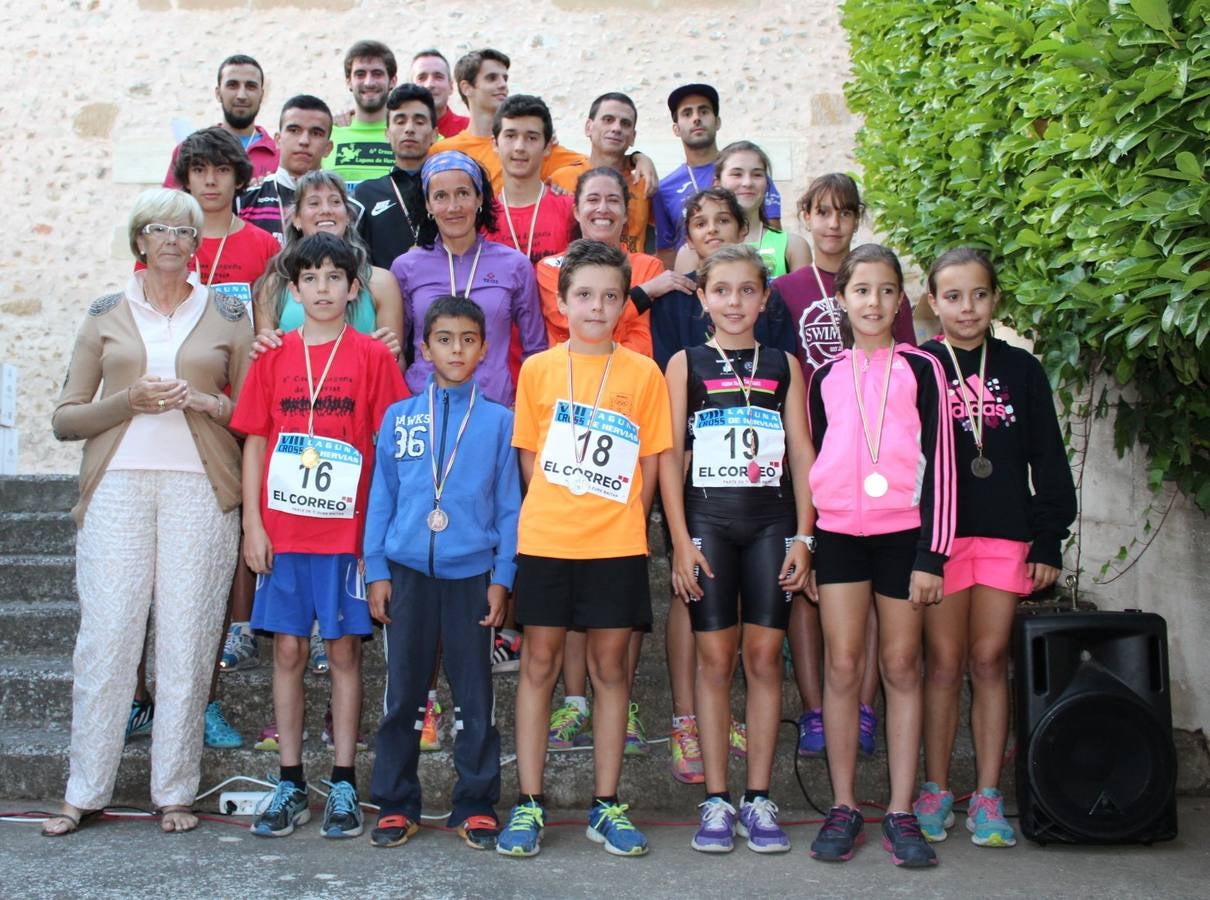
(161, 403)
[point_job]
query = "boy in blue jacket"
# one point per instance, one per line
(441, 534)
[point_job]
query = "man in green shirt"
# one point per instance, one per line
(361, 150)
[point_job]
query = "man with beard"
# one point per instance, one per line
(394, 203)
(695, 121)
(432, 70)
(360, 150)
(240, 89)
(304, 139)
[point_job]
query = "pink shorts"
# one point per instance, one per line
(992, 562)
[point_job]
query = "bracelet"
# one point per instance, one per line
(219, 400)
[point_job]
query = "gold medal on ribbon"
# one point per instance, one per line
(310, 458)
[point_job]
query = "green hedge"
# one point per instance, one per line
(1070, 139)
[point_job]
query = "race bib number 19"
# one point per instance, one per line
(727, 442)
(610, 448)
(327, 491)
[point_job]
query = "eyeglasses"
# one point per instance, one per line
(163, 232)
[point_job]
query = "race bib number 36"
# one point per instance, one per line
(610, 447)
(726, 442)
(327, 491)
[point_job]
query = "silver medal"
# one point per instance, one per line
(875, 484)
(578, 484)
(981, 467)
(438, 521)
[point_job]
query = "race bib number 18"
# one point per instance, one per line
(610, 448)
(727, 442)
(327, 491)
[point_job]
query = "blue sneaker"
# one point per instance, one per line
(758, 823)
(718, 825)
(934, 810)
(142, 714)
(608, 825)
(239, 648)
(986, 822)
(342, 812)
(219, 733)
(840, 833)
(902, 839)
(867, 730)
(811, 741)
(287, 809)
(522, 836)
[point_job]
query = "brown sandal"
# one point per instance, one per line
(74, 824)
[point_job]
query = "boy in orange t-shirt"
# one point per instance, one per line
(591, 418)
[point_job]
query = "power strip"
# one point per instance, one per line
(242, 803)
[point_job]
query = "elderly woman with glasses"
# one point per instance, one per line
(147, 391)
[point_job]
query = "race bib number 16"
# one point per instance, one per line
(610, 449)
(327, 491)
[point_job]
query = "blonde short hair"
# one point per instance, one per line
(162, 205)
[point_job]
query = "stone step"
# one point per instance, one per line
(34, 764)
(41, 628)
(38, 493)
(37, 533)
(37, 579)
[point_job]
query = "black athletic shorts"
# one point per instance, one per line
(885, 560)
(746, 556)
(583, 593)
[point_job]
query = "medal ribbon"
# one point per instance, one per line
(470, 282)
(976, 421)
(571, 393)
(875, 445)
(831, 301)
(219, 254)
(745, 389)
(439, 486)
(406, 215)
(314, 390)
(533, 221)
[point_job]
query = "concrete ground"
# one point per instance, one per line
(132, 858)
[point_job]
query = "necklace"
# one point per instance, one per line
(470, 281)
(533, 221)
(310, 456)
(875, 484)
(407, 217)
(219, 254)
(981, 466)
(746, 390)
(578, 483)
(438, 520)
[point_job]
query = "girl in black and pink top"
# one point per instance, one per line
(1006, 436)
(883, 483)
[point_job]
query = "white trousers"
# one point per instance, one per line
(147, 535)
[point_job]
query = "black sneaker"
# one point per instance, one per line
(839, 835)
(480, 832)
(393, 831)
(902, 838)
(287, 809)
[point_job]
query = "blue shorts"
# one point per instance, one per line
(304, 587)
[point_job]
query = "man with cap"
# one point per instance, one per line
(695, 121)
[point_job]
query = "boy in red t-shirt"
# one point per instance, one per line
(310, 411)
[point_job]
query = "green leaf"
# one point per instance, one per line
(1189, 165)
(1154, 13)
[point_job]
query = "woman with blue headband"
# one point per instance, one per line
(452, 257)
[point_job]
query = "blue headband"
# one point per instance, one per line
(450, 161)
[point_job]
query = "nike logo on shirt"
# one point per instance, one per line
(381, 206)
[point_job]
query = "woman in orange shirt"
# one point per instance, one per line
(600, 212)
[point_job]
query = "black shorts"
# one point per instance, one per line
(746, 556)
(583, 593)
(885, 560)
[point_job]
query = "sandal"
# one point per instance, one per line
(74, 823)
(176, 817)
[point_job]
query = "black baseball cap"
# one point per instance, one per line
(689, 90)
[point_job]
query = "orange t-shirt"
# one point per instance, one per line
(483, 151)
(638, 211)
(633, 329)
(554, 521)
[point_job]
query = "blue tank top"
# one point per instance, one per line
(363, 313)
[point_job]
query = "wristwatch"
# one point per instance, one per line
(808, 539)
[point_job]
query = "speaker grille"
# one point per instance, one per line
(1103, 765)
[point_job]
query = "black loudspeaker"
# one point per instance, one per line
(1095, 758)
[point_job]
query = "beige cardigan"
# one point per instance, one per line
(110, 354)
